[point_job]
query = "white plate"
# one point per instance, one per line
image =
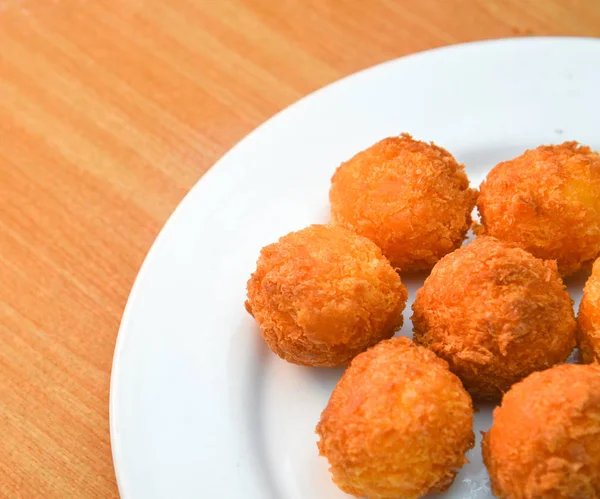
(199, 406)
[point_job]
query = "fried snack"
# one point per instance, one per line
(398, 423)
(495, 313)
(589, 318)
(324, 294)
(545, 440)
(409, 197)
(546, 201)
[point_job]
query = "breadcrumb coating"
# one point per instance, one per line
(409, 197)
(589, 318)
(398, 423)
(546, 201)
(495, 313)
(324, 294)
(545, 440)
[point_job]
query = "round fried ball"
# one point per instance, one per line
(409, 197)
(324, 294)
(545, 440)
(546, 201)
(495, 313)
(398, 423)
(589, 318)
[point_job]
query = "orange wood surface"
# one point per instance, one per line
(110, 110)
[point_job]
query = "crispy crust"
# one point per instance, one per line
(589, 318)
(546, 201)
(496, 314)
(545, 440)
(324, 294)
(398, 423)
(409, 197)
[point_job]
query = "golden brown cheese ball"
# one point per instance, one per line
(545, 440)
(546, 201)
(324, 294)
(409, 197)
(589, 318)
(495, 313)
(398, 423)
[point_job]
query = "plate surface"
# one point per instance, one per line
(199, 406)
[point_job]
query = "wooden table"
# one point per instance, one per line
(109, 111)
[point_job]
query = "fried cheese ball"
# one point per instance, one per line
(324, 294)
(398, 423)
(589, 318)
(409, 197)
(545, 440)
(495, 313)
(546, 201)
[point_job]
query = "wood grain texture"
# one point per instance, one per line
(109, 111)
